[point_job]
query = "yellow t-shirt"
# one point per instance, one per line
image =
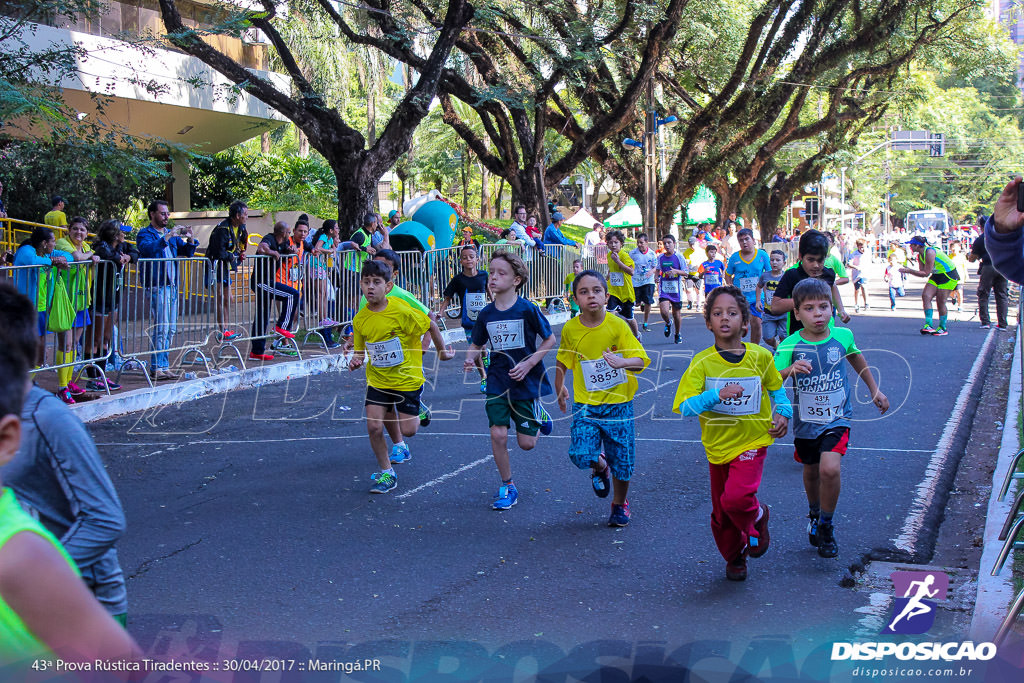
(619, 284)
(740, 424)
(391, 340)
(55, 218)
(581, 349)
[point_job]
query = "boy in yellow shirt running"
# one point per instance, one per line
(728, 386)
(620, 284)
(604, 357)
(388, 331)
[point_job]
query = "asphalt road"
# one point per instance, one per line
(251, 530)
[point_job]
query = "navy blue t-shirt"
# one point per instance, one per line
(476, 289)
(512, 337)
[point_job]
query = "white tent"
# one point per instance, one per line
(583, 219)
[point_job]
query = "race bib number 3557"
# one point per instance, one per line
(747, 403)
(506, 335)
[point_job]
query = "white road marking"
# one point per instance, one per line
(444, 477)
(487, 435)
(926, 489)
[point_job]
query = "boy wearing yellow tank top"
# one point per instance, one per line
(604, 357)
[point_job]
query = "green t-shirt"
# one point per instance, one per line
(17, 643)
(399, 293)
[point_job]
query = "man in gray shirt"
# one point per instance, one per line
(58, 474)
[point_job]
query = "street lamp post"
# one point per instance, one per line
(649, 213)
(650, 179)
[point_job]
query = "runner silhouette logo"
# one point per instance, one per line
(913, 610)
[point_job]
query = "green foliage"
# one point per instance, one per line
(97, 181)
(271, 182)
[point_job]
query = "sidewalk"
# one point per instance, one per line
(995, 593)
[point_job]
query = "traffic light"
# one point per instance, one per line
(811, 209)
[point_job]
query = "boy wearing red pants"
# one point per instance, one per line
(728, 386)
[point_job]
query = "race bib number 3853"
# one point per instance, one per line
(747, 403)
(506, 335)
(599, 376)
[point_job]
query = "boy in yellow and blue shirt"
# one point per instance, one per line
(604, 356)
(728, 386)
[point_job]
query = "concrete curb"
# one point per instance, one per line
(189, 390)
(995, 593)
(146, 398)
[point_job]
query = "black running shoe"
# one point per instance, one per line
(827, 546)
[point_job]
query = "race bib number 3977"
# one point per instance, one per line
(506, 335)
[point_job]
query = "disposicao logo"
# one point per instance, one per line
(913, 610)
(913, 613)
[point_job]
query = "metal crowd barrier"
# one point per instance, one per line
(1014, 519)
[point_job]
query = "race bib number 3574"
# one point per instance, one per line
(506, 335)
(385, 354)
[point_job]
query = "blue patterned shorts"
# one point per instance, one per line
(609, 426)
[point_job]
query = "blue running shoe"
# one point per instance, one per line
(620, 515)
(384, 482)
(507, 497)
(546, 425)
(400, 453)
(483, 386)
(602, 483)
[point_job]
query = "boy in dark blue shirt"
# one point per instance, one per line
(471, 287)
(516, 380)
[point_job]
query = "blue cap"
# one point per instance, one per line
(126, 228)
(918, 240)
(556, 216)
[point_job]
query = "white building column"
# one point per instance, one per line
(181, 185)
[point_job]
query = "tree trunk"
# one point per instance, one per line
(485, 194)
(303, 144)
(497, 199)
(769, 205)
(463, 164)
(357, 192)
(265, 142)
(728, 198)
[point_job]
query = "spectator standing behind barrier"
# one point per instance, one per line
(160, 278)
(1004, 239)
(990, 280)
(264, 283)
(58, 473)
(115, 253)
(55, 216)
(591, 240)
(36, 283)
(78, 283)
(225, 251)
(553, 233)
